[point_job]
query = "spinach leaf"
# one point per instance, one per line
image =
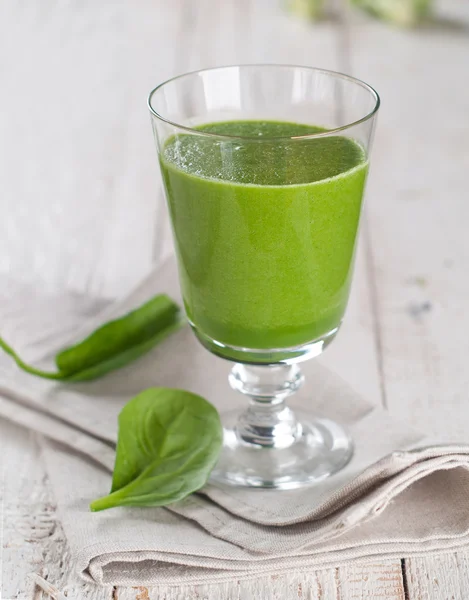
(169, 441)
(113, 345)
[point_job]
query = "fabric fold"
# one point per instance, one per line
(402, 494)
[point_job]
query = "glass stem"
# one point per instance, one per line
(267, 422)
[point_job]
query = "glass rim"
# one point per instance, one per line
(326, 133)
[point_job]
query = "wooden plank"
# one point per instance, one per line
(32, 538)
(372, 582)
(367, 582)
(320, 585)
(419, 250)
(79, 171)
(444, 577)
(417, 217)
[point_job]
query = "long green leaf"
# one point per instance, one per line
(113, 345)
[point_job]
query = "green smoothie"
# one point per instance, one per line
(265, 229)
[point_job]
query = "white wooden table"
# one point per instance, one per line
(76, 155)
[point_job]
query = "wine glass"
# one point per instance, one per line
(264, 168)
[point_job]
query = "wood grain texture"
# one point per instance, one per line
(418, 251)
(79, 175)
(417, 217)
(444, 577)
(292, 587)
(372, 582)
(365, 582)
(32, 537)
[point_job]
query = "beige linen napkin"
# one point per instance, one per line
(401, 494)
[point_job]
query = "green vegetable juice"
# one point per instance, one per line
(265, 229)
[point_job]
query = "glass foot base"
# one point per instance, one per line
(321, 447)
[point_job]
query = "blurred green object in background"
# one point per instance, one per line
(405, 13)
(307, 9)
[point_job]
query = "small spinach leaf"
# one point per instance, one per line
(113, 345)
(169, 441)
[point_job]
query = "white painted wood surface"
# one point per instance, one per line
(76, 149)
